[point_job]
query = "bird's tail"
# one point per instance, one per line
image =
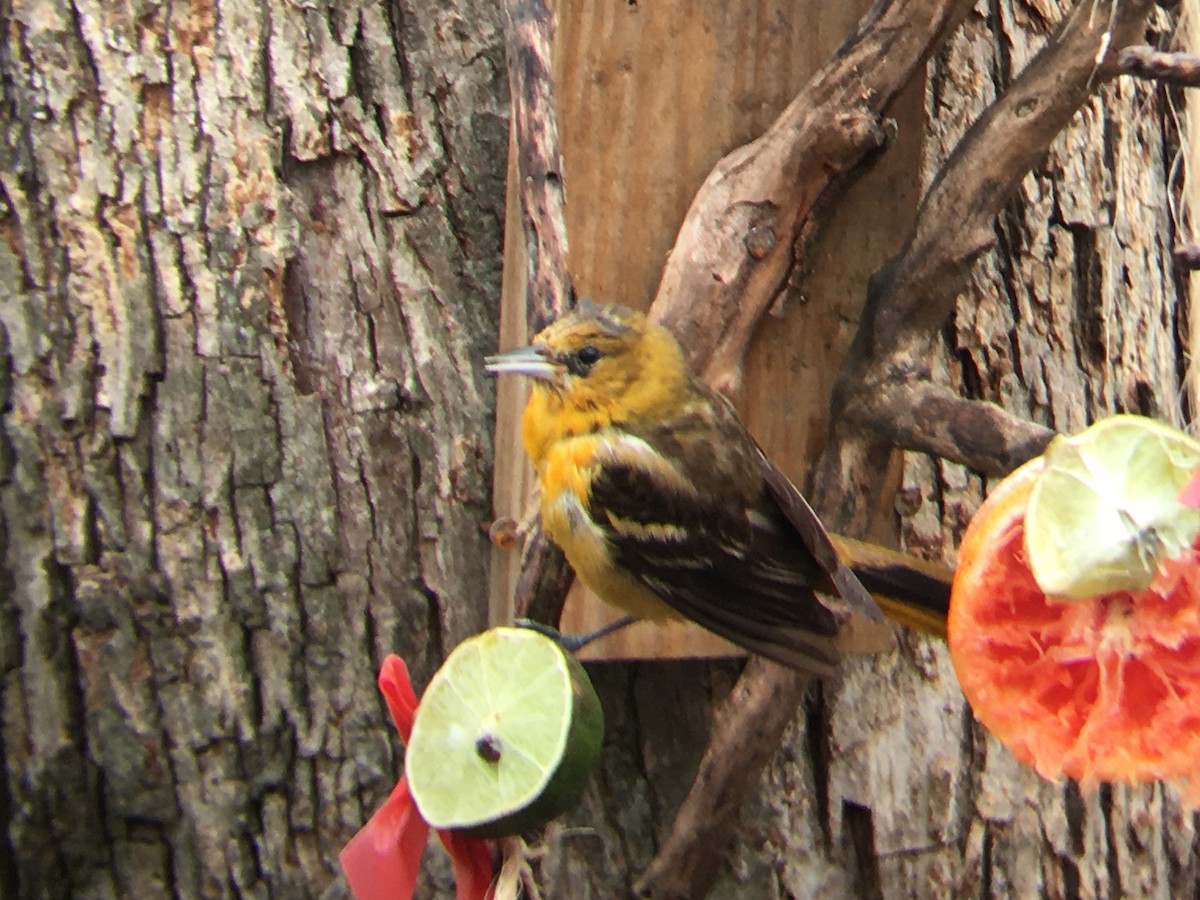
(910, 591)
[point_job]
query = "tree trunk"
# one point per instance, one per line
(250, 262)
(250, 259)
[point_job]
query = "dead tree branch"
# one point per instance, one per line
(529, 28)
(1182, 69)
(931, 418)
(686, 868)
(912, 294)
(749, 226)
(743, 235)
(907, 301)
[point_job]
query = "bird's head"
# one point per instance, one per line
(606, 360)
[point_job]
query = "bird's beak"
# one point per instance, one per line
(533, 361)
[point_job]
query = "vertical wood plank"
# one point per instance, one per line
(1188, 223)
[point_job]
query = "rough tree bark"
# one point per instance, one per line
(249, 265)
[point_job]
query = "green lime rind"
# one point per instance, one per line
(505, 736)
(1105, 511)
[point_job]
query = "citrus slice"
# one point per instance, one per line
(1098, 689)
(1105, 510)
(505, 736)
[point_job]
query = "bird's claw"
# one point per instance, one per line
(573, 643)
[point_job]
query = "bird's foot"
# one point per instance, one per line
(573, 643)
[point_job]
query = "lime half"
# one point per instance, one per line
(505, 736)
(1105, 510)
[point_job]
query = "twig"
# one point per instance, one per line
(930, 418)
(529, 30)
(1187, 256)
(1182, 69)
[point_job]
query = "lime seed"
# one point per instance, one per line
(488, 748)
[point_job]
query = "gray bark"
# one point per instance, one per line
(250, 264)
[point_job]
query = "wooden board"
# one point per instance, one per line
(651, 96)
(1189, 220)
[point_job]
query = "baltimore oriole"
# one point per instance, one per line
(666, 506)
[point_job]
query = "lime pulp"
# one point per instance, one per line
(505, 735)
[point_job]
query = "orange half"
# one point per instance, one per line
(1101, 689)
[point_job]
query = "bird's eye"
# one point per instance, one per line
(587, 355)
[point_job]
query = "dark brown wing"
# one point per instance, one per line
(816, 540)
(816, 548)
(698, 557)
(714, 544)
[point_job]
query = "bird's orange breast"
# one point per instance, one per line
(565, 472)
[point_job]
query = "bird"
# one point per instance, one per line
(666, 507)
